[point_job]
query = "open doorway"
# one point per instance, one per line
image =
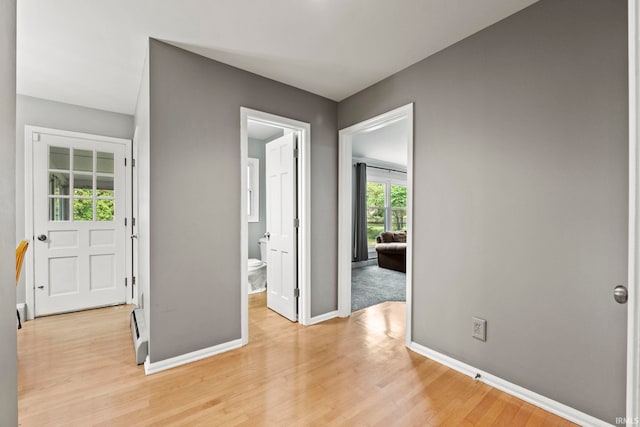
(275, 234)
(375, 191)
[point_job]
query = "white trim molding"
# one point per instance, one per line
(522, 393)
(304, 212)
(253, 166)
(345, 201)
(633, 283)
(174, 362)
(322, 318)
(22, 309)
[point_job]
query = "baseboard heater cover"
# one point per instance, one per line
(139, 335)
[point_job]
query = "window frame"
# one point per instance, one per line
(386, 178)
(253, 189)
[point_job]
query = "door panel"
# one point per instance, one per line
(79, 211)
(281, 208)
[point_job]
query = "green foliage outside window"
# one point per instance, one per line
(83, 208)
(398, 200)
(377, 208)
(375, 211)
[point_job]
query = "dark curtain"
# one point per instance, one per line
(360, 245)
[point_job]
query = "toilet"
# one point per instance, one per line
(258, 269)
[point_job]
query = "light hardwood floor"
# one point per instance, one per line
(78, 370)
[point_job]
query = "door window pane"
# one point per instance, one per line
(58, 184)
(105, 186)
(58, 209)
(82, 185)
(105, 210)
(104, 162)
(83, 209)
(83, 160)
(398, 196)
(59, 158)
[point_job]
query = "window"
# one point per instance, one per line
(253, 190)
(375, 210)
(386, 208)
(398, 207)
(81, 185)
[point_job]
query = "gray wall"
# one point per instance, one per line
(57, 115)
(521, 198)
(256, 230)
(195, 140)
(8, 359)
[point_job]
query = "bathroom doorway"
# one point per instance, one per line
(275, 234)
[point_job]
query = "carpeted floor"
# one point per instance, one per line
(372, 285)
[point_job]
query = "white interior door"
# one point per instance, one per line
(79, 210)
(281, 230)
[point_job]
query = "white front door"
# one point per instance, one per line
(79, 210)
(281, 230)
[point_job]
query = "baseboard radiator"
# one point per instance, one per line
(139, 335)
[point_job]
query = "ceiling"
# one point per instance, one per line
(387, 144)
(261, 131)
(91, 53)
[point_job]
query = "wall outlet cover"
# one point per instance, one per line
(479, 328)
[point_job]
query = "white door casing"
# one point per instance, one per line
(633, 283)
(79, 196)
(281, 230)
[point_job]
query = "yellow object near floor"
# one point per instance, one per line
(20, 251)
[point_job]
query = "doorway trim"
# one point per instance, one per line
(633, 311)
(345, 197)
(304, 213)
(29, 213)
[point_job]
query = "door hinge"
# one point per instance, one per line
(133, 163)
(296, 293)
(133, 280)
(295, 153)
(133, 221)
(125, 161)
(296, 222)
(125, 221)
(126, 283)
(35, 136)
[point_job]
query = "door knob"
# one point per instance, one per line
(41, 287)
(42, 237)
(267, 235)
(620, 294)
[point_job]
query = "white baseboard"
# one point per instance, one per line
(173, 362)
(22, 309)
(322, 318)
(257, 291)
(529, 396)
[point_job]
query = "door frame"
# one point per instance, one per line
(29, 270)
(633, 311)
(132, 256)
(304, 213)
(345, 199)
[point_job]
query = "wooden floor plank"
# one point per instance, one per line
(78, 370)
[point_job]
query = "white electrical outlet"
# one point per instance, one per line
(479, 328)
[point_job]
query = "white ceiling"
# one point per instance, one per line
(91, 53)
(256, 130)
(387, 144)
